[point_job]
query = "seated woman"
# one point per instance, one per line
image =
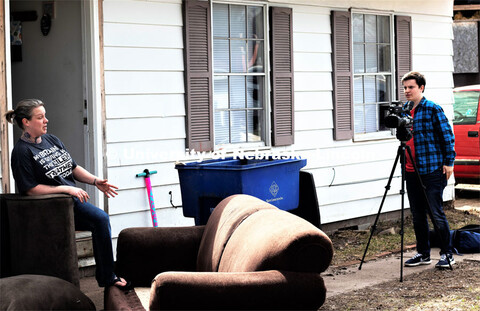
(42, 165)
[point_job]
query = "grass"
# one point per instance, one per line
(349, 245)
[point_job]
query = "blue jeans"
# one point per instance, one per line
(434, 184)
(90, 218)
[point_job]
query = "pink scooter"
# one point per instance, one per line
(146, 173)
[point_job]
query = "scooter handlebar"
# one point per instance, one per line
(146, 173)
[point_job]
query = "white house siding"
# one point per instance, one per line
(145, 114)
(145, 106)
(351, 176)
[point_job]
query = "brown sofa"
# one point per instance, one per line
(250, 255)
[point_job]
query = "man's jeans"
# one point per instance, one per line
(90, 218)
(434, 184)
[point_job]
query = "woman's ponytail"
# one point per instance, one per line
(10, 115)
(23, 110)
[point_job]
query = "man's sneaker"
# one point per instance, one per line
(417, 260)
(443, 263)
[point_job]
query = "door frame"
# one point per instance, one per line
(94, 95)
(93, 85)
(5, 136)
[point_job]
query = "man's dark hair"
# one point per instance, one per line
(417, 76)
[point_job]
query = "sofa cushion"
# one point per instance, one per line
(224, 220)
(273, 239)
(41, 292)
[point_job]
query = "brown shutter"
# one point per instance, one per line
(342, 76)
(282, 76)
(198, 75)
(403, 49)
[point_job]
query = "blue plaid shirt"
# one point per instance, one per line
(433, 137)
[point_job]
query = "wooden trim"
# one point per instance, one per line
(466, 7)
(5, 158)
(102, 95)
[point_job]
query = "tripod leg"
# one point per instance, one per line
(429, 209)
(374, 226)
(402, 194)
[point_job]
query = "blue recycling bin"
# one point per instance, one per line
(204, 184)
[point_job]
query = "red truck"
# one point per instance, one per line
(466, 127)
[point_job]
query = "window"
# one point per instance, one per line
(465, 107)
(372, 78)
(364, 74)
(229, 85)
(239, 73)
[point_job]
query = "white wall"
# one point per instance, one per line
(351, 176)
(145, 106)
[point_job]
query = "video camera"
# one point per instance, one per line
(399, 117)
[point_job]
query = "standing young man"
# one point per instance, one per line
(433, 151)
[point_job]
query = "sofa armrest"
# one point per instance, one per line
(38, 236)
(116, 299)
(142, 253)
(273, 289)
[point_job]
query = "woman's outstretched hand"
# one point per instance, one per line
(106, 188)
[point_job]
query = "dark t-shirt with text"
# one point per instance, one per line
(46, 163)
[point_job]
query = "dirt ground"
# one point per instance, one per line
(431, 289)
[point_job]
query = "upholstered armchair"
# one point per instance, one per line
(39, 264)
(249, 256)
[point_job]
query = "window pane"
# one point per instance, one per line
(383, 88)
(238, 48)
(239, 57)
(237, 21)
(239, 126)
(370, 28)
(370, 118)
(371, 58)
(359, 122)
(220, 94)
(384, 60)
(465, 107)
(255, 56)
(220, 20)
(372, 53)
(383, 29)
(255, 121)
(358, 90)
(370, 93)
(222, 135)
(255, 22)
(221, 56)
(358, 29)
(255, 91)
(237, 92)
(358, 58)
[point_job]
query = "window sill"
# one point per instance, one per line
(244, 147)
(374, 136)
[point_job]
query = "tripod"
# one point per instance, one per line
(401, 154)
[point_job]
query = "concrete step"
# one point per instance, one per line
(86, 261)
